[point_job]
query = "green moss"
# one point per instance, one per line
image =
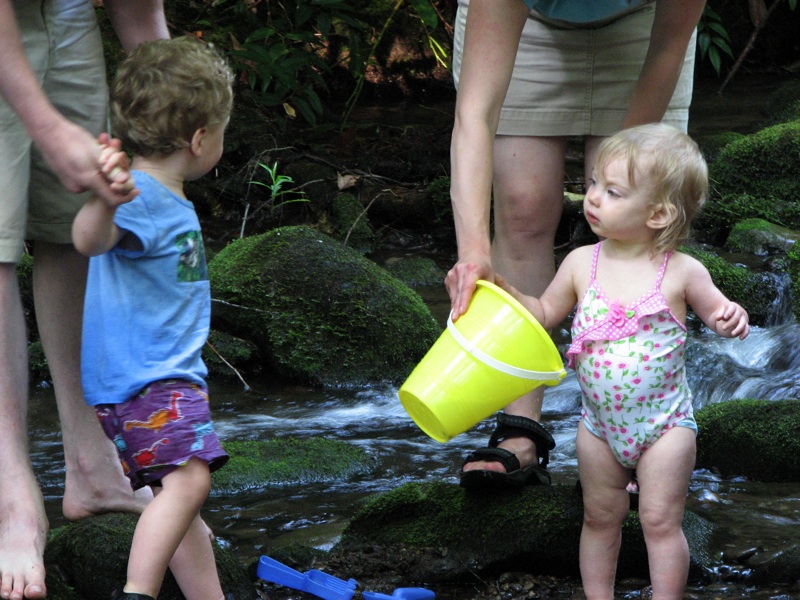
(260, 464)
(224, 355)
(439, 190)
(757, 236)
(751, 290)
(766, 434)
(320, 311)
(793, 267)
(416, 271)
(756, 176)
(352, 223)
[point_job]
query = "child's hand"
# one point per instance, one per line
(732, 321)
(115, 167)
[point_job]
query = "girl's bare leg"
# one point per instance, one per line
(664, 473)
(605, 506)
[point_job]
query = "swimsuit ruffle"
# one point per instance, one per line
(619, 323)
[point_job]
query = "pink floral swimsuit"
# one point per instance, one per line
(630, 366)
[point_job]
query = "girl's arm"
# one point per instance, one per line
(725, 317)
(490, 45)
(673, 26)
(557, 300)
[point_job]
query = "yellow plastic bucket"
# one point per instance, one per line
(493, 354)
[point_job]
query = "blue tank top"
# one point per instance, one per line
(572, 14)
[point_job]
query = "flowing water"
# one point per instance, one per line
(766, 365)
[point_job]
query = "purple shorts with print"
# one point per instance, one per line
(160, 429)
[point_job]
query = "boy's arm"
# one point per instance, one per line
(93, 230)
(557, 300)
(725, 317)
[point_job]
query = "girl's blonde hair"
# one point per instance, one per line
(165, 90)
(672, 166)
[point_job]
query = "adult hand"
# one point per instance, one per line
(74, 155)
(460, 282)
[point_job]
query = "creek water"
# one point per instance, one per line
(253, 523)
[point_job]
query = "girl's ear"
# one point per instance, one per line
(661, 216)
(197, 141)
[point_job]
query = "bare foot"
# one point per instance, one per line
(99, 486)
(522, 447)
(23, 533)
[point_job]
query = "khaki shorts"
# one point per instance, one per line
(579, 81)
(62, 41)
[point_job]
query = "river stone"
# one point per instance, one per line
(755, 176)
(756, 292)
(534, 530)
(260, 464)
(757, 439)
(318, 311)
(760, 237)
(90, 558)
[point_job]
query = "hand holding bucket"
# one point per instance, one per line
(495, 353)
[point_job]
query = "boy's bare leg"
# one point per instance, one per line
(194, 566)
(165, 532)
(23, 524)
(94, 479)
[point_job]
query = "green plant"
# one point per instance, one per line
(275, 186)
(278, 196)
(713, 39)
(286, 49)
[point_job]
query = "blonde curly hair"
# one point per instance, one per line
(165, 90)
(673, 167)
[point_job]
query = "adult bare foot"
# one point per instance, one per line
(518, 454)
(97, 485)
(23, 533)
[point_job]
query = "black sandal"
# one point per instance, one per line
(515, 477)
(122, 595)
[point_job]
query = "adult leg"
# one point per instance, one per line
(170, 531)
(528, 195)
(94, 479)
(23, 524)
(605, 506)
(664, 472)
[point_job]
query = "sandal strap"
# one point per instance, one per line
(122, 595)
(510, 426)
(508, 459)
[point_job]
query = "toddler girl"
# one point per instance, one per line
(632, 292)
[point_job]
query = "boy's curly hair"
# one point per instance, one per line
(165, 90)
(671, 164)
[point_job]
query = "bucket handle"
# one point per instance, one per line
(496, 364)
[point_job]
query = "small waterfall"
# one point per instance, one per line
(766, 365)
(781, 309)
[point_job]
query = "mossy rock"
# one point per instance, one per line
(784, 103)
(757, 439)
(352, 223)
(91, 558)
(756, 292)
(318, 311)
(536, 529)
(760, 237)
(257, 464)
(712, 145)
(793, 267)
(416, 271)
(227, 357)
(756, 177)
